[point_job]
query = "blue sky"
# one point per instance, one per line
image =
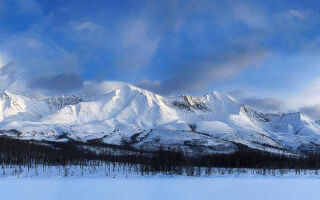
(265, 53)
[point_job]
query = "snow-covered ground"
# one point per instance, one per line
(160, 188)
(108, 182)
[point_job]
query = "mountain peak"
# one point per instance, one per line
(6, 93)
(221, 97)
(127, 88)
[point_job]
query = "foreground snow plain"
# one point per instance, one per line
(166, 188)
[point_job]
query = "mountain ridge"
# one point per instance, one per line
(212, 123)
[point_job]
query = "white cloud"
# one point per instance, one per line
(87, 26)
(100, 87)
(27, 55)
(11, 79)
(76, 28)
(3, 61)
(294, 21)
(312, 111)
(265, 104)
(198, 74)
(307, 96)
(33, 54)
(137, 48)
(293, 14)
(28, 6)
(251, 16)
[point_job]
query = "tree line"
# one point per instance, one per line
(170, 161)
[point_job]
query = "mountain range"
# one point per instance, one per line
(131, 116)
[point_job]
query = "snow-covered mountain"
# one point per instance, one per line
(213, 123)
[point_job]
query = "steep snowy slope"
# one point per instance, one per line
(20, 108)
(215, 122)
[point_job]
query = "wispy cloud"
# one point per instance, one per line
(136, 47)
(99, 87)
(312, 111)
(293, 14)
(201, 72)
(251, 16)
(63, 82)
(86, 34)
(3, 61)
(265, 104)
(28, 6)
(306, 96)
